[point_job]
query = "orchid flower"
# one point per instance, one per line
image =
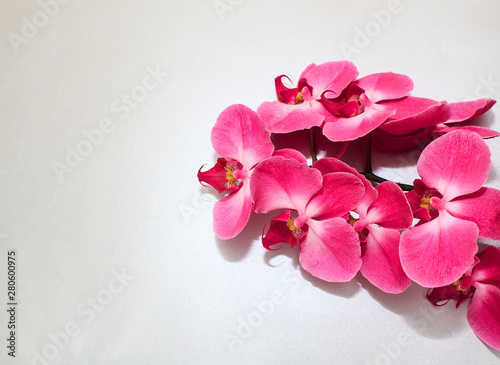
(358, 110)
(481, 283)
(301, 107)
(454, 209)
(419, 119)
(329, 246)
(240, 137)
(383, 211)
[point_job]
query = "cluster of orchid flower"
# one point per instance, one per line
(345, 221)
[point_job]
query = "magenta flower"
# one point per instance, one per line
(240, 137)
(383, 211)
(359, 109)
(329, 246)
(419, 119)
(301, 107)
(438, 250)
(481, 283)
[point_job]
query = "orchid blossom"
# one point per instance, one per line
(359, 109)
(240, 137)
(301, 107)
(382, 213)
(329, 246)
(481, 283)
(454, 209)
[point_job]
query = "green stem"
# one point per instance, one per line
(312, 142)
(368, 170)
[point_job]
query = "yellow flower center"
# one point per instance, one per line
(425, 202)
(299, 99)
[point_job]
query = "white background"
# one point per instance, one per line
(133, 205)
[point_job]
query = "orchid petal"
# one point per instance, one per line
(331, 250)
(240, 134)
(388, 142)
(488, 269)
(446, 293)
(232, 213)
(483, 314)
(438, 252)
(385, 86)
(485, 133)
(285, 118)
(413, 114)
(329, 165)
(279, 183)
(390, 209)
(381, 264)
(290, 153)
(341, 192)
(481, 207)
(330, 76)
(470, 109)
(348, 129)
(455, 164)
(279, 232)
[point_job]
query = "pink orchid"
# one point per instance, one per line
(329, 246)
(301, 108)
(240, 137)
(453, 169)
(419, 119)
(382, 213)
(359, 109)
(481, 283)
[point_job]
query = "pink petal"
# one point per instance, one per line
(329, 165)
(279, 232)
(348, 129)
(470, 109)
(483, 314)
(341, 193)
(455, 164)
(232, 213)
(385, 86)
(331, 250)
(285, 118)
(279, 183)
(481, 207)
(488, 269)
(381, 264)
(485, 133)
(307, 70)
(413, 114)
(331, 76)
(216, 176)
(438, 252)
(290, 153)
(388, 142)
(446, 293)
(390, 209)
(240, 134)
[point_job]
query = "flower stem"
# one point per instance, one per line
(312, 142)
(368, 170)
